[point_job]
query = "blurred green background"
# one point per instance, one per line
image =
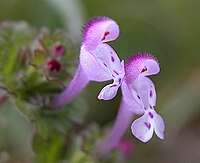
(170, 30)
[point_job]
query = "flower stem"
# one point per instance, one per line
(121, 124)
(77, 84)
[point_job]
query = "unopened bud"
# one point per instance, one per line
(58, 49)
(53, 65)
(126, 146)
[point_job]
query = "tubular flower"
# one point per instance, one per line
(98, 61)
(142, 96)
(138, 97)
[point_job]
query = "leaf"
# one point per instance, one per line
(49, 150)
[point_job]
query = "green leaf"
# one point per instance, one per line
(48, 150)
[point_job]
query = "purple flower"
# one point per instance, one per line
(98, 61)
(140, 96)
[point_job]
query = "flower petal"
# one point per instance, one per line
(132, 99)
(94, 69)
(141, 86)
(142, 128)
(108, 92)
(151, 92)
(98, 30)
(142, 64)
(152, 68)
(159, 126)
(102, 63)
(146, 91)
(108, 58)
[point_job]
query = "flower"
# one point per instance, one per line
(97, 61)
(140, 95)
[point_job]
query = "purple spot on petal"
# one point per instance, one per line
(120, 80)
(111, 52)
(150, 93)
(145, 108)
(113, 85)
(112, 59)
(105, 64)
(150, 114)
(150, 106)
(148, 125)
(116, 72)
(138, 96)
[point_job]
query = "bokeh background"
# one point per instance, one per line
(170, 30)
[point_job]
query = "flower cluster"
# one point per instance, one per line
(99, 62)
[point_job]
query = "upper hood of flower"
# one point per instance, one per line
(140, 64)
(98, 30)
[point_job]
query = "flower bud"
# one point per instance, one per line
(58, 49)
(126, 146)
(53, 65)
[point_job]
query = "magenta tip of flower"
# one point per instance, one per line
(90, 23)
(139, 56)
(133, 69)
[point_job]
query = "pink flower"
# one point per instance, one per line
(98, 61)
(140, 96)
